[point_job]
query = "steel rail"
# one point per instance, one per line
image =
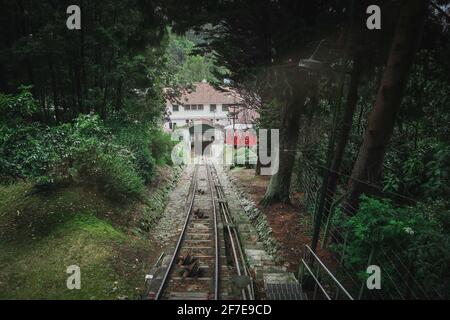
(229, 220)
(241, 252)
(180, 240)
(336, 281)
(232, 232)
(216, 237)
(316, 280)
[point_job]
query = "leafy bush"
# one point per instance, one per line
(150, 147)
(25, 147)
(83, 152)
(15, 108)
(403, 241)
(425, 171)
(25, 152)
(161, 145)
(110, 168)
(96, 159)
(118, 158)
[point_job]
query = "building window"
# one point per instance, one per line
(175, 108)
(193, 107)
(225, 107)
(213, 108)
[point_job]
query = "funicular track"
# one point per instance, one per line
(208, 257)
(232, 236)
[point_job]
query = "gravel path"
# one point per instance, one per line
(167, 230)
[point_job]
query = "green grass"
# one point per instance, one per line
(43, 233)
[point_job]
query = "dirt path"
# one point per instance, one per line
(290, 223)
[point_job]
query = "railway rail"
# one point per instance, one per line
(208, 262)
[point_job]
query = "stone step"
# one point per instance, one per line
(197, 248)
(189, 296)
(195, 296)
(196, 236)
(199, 279)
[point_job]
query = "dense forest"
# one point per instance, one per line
(363, 115)
(365, 119)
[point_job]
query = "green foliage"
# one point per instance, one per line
(107, 165)
(186, 66)
(418, 163)
(25, 152)
(161, 144)
(137, 138)
(100, 68)
(91, 156)
(27, 149)
(425, 171)
(86, 151)
(150, 146)
(13, 108)
(118, 157)
(402, 241)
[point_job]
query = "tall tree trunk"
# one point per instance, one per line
(75, 108)
(79, 90)
(258, 166)
(119, 94)
(83, 80)
(103, 107)
(368, 166)
(347, 122)
(56, 103)
(278, 189)
(103, 110)
(267, 152)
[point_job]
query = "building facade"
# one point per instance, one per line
(211, 116)
(219, 106)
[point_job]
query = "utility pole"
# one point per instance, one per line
(313, 65)
(234, 135)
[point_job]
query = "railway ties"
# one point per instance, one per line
(235, 249)
(206, 259)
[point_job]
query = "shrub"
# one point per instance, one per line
(83, 152)
(137, 137)
(25, 148)
(161, 145)
(150, 146)
(423, 172)
(403, 241)
(94, 158)
(15, 108)
(110, 168)
(118, 159)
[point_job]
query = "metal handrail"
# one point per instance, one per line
(330, 274)
(317, 280)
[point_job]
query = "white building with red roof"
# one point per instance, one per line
(220, 106)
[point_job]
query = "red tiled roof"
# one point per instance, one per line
(205, 93)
